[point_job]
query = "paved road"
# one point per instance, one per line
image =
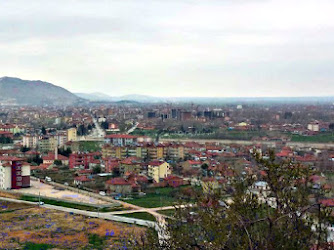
(106, 216)
(97, 134)
(133, 128)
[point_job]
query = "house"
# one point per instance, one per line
(80, 180)
(119, 185)
(174, 181)
(158, 170)
(192, 164)
(51, 157)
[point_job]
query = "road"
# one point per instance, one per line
(133, 128)
(106, 216)
(97, 133)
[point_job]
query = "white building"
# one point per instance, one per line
(14, 173)
(30, 141)
(314, 126)
(158, 170)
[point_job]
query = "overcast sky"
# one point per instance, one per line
(217, 48)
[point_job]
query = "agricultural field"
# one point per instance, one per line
(39, 228)
(324, 137)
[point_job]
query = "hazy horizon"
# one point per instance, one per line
(185, 48)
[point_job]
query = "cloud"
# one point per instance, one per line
(171, 48)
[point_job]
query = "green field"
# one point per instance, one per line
(153, 200)
(158, 197)
(91, 146)
(322, 137)
(222, 135)
(150, 133)
(169, 212)
(140, 215)
(70, 204)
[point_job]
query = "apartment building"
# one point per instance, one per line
(158, 170)
(30, 141)
(82, 160)
(121, 140)
(14, 173)
(72, 134)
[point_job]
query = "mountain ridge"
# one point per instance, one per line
(16, 91)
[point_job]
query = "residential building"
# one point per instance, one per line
(158, 170)
(14, 173)
(82, 160)
(30, 141)
(72, 134)
(121, 140)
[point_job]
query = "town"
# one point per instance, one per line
(165, 125)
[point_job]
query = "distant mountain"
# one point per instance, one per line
(94, 96)
(24, 92)
(126, 98)
(207, 100)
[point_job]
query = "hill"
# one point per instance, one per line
(23, 92)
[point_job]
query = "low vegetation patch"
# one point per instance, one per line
(140, 215)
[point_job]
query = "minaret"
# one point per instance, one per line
(56, 153)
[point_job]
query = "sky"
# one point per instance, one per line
(199, 48)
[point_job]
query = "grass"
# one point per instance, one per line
(140, 215)
(150, 133)
(90, 146)
(69, 204)
(36, 246)
(152, 200)
(220, 135)
(321, 138)
(158, 197)
(169, 212)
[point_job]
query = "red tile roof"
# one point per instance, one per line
(118, 181)
(120, 136)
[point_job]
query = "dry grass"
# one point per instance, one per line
(8, 195)
(60, 229)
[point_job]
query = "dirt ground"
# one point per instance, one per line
(60, 230)
(50, 191)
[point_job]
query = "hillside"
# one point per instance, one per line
(24, 92)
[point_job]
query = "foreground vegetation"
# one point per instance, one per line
(290, 221)
(39, 228)
(140, 215)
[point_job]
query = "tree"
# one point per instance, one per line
(43, 130)
(281, 218)
(57, 162)
(24, 149)
(205, 168)
(97, 169)
(5, 140)
(105, 125)
(331, 126)
(66, 152)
